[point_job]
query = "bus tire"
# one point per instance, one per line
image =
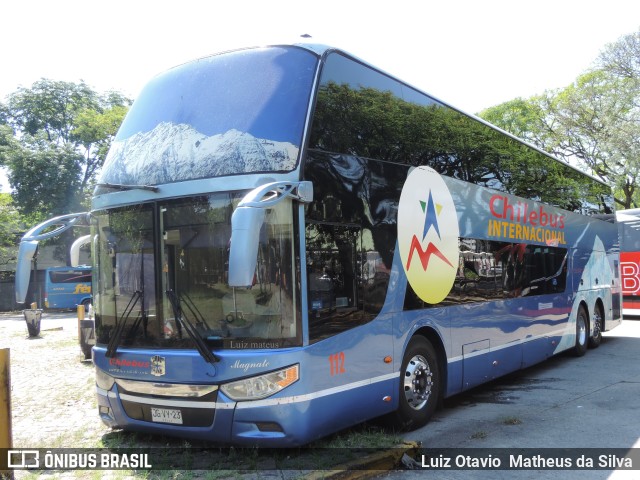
(419, 384)
(85, 303)
(582, 332)
(598, 325)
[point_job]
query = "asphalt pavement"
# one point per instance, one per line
(580, 406)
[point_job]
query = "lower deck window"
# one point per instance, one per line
(490, 270)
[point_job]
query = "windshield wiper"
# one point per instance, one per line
(186, 299)
(201, 346)
(121, 186)
(138, 296)
(112, 346)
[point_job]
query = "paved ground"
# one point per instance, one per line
(588, 403)
(53, 388)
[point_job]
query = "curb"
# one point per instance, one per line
(368, 466)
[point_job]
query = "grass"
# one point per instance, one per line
(365, 436)
(479, 435)
(512, 421)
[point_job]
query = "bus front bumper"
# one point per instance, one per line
(221, 422)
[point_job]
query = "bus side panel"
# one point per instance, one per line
(313, 415)
(70, 290)
(352, 375)
(593, 282)
(58, 298)
(523, 332)
(613, 258)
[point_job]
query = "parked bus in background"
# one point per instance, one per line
(67, 287)
(629, 228)
(288, 241)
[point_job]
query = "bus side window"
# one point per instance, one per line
(338, 275)
(492, 270)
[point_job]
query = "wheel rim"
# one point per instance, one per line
(582, 330)
(417, 382)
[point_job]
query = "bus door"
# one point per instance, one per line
(348, 326)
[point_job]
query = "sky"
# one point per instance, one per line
(472, 54)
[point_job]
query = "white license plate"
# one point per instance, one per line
(166, 415)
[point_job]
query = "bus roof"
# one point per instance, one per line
(322, 50)
(630, 217)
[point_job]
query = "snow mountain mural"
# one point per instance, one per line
(171, 153)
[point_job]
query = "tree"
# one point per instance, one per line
(598, 123)
(61, 132)
(594, 123)
(622, 58)
(45, 178)
(524, 118)
(10, 228)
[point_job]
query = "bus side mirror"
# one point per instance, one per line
(246, 223)
(29, 244)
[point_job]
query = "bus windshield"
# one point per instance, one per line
(234, 113)
(163, 276)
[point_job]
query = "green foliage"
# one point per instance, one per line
(10, 227)
(524, 118)
(54, 137)
(598, 124)
(622, 58)
(593, 123)
(45, 178)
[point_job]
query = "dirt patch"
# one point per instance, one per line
(53, 400)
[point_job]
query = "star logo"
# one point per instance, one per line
(431, 216)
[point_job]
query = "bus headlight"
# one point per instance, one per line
(262, 386)
(103, 380)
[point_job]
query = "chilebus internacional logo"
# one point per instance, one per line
(428, 234)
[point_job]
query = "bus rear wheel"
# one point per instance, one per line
(598, 325)
(419, 384)
(582, 332)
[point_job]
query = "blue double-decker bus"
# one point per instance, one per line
(288, 241)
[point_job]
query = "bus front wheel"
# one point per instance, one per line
(419, 384)
(582, 332)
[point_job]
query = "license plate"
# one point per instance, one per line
(166, 415)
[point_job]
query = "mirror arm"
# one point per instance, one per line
(29, 245)
(270, 194)
(247, 220)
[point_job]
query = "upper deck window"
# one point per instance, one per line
(361, 112)
(233, 113)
